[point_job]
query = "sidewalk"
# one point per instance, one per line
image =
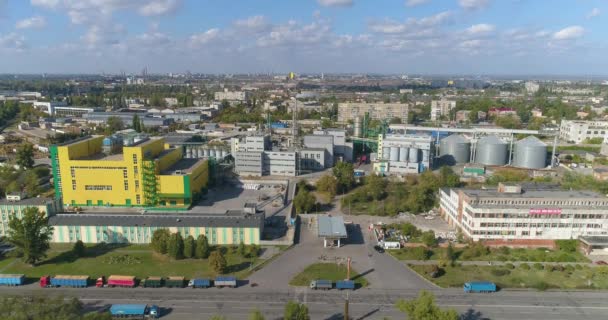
(496, 263)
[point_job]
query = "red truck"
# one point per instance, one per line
(116, 281)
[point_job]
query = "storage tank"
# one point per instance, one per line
(530, 153)
(403, 154)
(491, 151)
(358, 124)
(188, 152)
(206, 152)
(394, 153)
(199, 152)
(212, 153)
(454, 149)
(414, 155)
(386, 153)
(425, 155)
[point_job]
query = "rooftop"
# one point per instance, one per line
(183, 166)
(331, 227)
(26, 202)
(527, 193)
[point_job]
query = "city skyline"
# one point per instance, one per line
(308, 36)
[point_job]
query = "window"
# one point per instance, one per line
(73, 172)
(124, 173)
(137, 199)
(98, 188)
(73, 184)
(134, 159)
(136, 185)
(135, 170)
(126, 185)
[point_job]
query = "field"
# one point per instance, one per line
(326, 271)
(499, 254)
(519, 277)
(137, 260)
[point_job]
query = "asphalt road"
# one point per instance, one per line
(181, 304)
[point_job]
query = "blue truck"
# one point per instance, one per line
(199, 283)
(345, 285)
(134, 311)
(11, 279)
(479, 287)
(321, 284)
(64, 281)
(221, 282)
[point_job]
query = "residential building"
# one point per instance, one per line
(462, 116)
(577, 131)
(98, 171)
(400, 154)
(500, 112)
(232, 95)
(9, 208)
(441, 108)
(376, 110)
(531, 87)
(530, 211)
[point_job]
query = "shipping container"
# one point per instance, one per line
(175, 282)
(11, 279)
(199, 283)
(153, 282)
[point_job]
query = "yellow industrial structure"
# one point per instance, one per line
(138, 171)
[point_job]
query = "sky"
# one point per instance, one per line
(475, 37)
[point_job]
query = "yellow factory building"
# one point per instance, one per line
(130, 172)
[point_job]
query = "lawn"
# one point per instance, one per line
(519, 277)
(326, 271)
(498, 254)
(137, 260)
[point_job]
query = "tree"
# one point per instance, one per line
(256, 315)
(25, 156)
(295, 311)
(202, 247)
(217, 262)
(32, 187)
(450, 255)
(425, 308)
(242, 250)
(345, 174)
(189, 247)
(327, 184)
(175, 248)
(114, 124)
(31, 234)
(136, 123)
(428, 238)
(160, 240)
(79, 250)
(47, 308)
(304, 201)
(375, 186)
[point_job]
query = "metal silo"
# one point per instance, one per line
(394, 154)
(358, 126)
(491, 151)
(212, 153)
(425, 155)
(530, 153)
(455, 149)
(414, 157)
(188, 152)
(206, 152)
(223, 154)
(386, 153)
(199, 152)
(403, 154)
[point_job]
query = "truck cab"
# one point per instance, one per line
(100, 282)
(45, 281)
(154, 312)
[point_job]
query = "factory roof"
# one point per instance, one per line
(183, 166)
(26, 202)
(159, 220)
(331, 227)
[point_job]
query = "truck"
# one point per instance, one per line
(116, 281)
(345, 284)
(153, 282)
(175, 282)
(11, 279)
(199, 283)
(221, 282)
(321, 284)
(64, 281)
(479, 287)
(134, 311)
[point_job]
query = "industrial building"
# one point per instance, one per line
(126, 171)
(578, 131)
(127, 118)
(343, 150)
(16, 207)
(377, 111)
(230, 228)
(232, 95)
(529, 211)
(441, 108)
(404, 153)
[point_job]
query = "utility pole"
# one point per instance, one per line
(346, 308)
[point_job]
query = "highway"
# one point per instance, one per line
(184, 304)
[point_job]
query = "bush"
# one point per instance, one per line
(420, 253)
(569, 268)
(538, 266)
(504, 250)
(567, 245)
(525, 266)
(500, 272)
(79, 250)
(541, 286)
(510, 266)
(559, 268)
(578, 267)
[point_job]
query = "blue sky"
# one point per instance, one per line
(230, 36)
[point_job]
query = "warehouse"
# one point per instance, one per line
(528, 211)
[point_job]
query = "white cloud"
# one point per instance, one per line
(33, 22)
(421, 25)
(12, 41)
(336, 3)
(480, 29)
(473, 4)
(204, 37)
(158, 7)
(594, 13)
(413, 3)
(569, 33)
(255, 22)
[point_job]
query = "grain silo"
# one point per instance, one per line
(358, 127)
(455, 149)
(492, 151)
(386, 153)
(414, 155)
(530, 153)
(403, 154)
(394, 154)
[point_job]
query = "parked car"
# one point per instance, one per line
(379, 249)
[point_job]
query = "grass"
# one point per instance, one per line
(498, 254)
(136, 260)
(326, 271)
(520, 277)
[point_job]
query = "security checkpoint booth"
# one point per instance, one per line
(332, 230)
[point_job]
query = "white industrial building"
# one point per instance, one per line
(441, 108)
(377, 111)
(578, 131)
(343, 150)
(530, 212)
(232, 95)
(404, 153)
(532, 87)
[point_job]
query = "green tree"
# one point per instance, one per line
(44, 307)
(25, 156)
(345, 174)
(447, 177)
(202, 247)
(376, 186)
(450, 254)
(189, 247)
(114, 124)
(327, 184)
(136, 123)
(304, 201)
(175, 248)
(217, 262)
(295, 311)
(242, 250)
(160, 240)
(79, 249)
(217, 317)
(256, 315)
(32, 187)
(31, 234)
(428, 238)
(425, 308)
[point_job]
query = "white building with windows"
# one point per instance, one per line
(441, 108)
(532, 87)
(577, 131)
(526, 212)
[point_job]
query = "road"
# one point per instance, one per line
(181, 304)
